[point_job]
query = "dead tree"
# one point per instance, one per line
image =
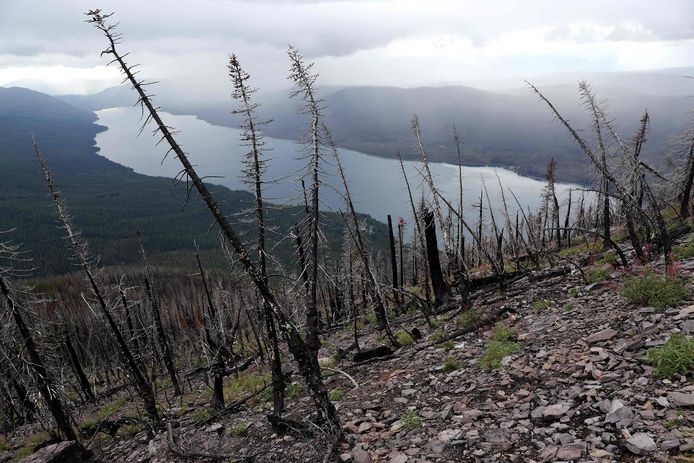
(41, 375)
(302, 350)
(444, 225)
(254, 169)
(354, 230)
(79, 248)
(394, 266)
(438, 282)
(685, 194)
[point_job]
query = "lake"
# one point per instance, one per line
(376, 184)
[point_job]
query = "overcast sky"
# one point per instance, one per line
(380, 42)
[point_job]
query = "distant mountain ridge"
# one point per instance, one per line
(509, 128)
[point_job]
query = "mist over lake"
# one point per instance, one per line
(376, 184)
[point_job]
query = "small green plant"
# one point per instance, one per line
(573, 292)
(336, 395)
(439, 333)
(654, 290)
(608, 258)
(684, 251)
(448, 345)
(404, 338)
(568, 307)
(36, 439)
(329, 346)
(596, 275)
(294, 390)
(129, 430)
(468, 318)
(23, 452)
(111, 408)
(328, 362)
(200, 415)
(501, 332)
(410, 420)
(675, 356)
(371, 318)
(236, 388)
(450, 364)
(498, 347)
(4, 445)
(540, 304)
(238, 429)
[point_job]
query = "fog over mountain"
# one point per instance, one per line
(508, 128)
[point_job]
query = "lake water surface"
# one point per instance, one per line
(376, 183)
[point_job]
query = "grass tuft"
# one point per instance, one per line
(336, 395)
(404, 338)
(654, 290)
(450, 364)
(498, 347)
(596, 275)
(675, 356)
(410, 420)
(467, 318)
(238, 429)
(540, 304)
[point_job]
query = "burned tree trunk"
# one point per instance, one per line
(302, 350)
(438, 283)
(79, 371)
(394, 266)
(80, 250)
(162, 337)
(44, 380)
(686, 193)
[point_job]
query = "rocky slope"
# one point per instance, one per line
(577, 388)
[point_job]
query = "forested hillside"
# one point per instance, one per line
(109, 202)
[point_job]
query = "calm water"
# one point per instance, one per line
(376, 184)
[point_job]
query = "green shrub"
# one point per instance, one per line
(675, 356)
(200, 415)
(410, 420)
(448, 345)
(111, 408)
(329, 362)
(568, 307)
(684, 251)
(23, 452)
(336, 395)
(573, 292)
(440, 333)
(404, 338)
(293, 390)
(608, 258)
(501, 332)
(236, 388)
(371, 318)
(467, 318)
(498, 347)
(596, 275)
(238, 429)
(4, 445)
(540, 304)
(654, 290)
(450, 364)
(129, 430)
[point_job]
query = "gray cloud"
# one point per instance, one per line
(190, 39)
